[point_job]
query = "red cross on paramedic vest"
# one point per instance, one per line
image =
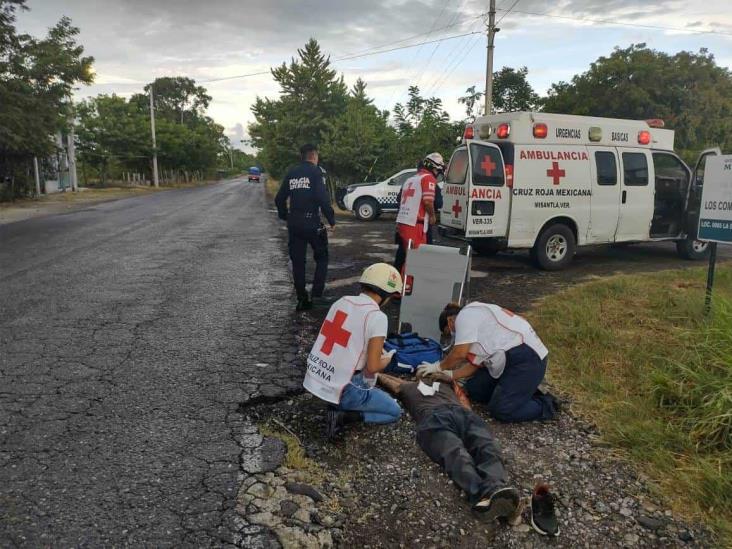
(457, 209)
(334, 333)
(555, 173)
(488, 165)
(409, 192)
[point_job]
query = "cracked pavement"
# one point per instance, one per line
(130, 334)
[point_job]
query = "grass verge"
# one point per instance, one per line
(296, 458)
(636, 355)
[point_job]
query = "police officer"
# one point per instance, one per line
(305, 187)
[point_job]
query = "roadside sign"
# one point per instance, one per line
(715, 217)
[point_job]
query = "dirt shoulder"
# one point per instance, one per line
(386, 493)
(65, 202)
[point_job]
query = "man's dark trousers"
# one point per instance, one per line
(459, 441)
(302, 235)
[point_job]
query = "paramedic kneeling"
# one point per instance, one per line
(506, 361)
(417, 206)
(349, 352)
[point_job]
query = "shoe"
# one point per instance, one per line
(333, 423)
(304, 304)
(323, 301)
(543, 518)
(500, 504)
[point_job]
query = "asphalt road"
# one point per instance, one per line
(130, 332)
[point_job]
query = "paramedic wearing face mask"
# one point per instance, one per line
(349, 352)
(417, 206)
(501, 358)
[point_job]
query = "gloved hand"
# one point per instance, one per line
(427, 368)
(444, 376)
(386, 357)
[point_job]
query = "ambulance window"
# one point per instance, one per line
(487, 165)
(458, 168)
(635, 169)
(607, 170)
(670, 171)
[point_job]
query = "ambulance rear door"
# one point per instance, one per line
(454, 210)
(489, 198)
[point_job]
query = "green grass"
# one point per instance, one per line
(639, 359)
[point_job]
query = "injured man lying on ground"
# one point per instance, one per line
(459, 441)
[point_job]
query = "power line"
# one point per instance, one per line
(612, 22)
(507, 11)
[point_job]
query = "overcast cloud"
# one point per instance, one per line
(135, 41)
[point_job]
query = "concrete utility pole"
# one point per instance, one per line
(37, 174)
(72, 158)
(492, 30)
(231, 156)
(154, 143)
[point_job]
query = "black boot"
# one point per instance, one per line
(304, 303)
(336, 419)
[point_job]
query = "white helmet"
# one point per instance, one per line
(382, 277)
(434, 162)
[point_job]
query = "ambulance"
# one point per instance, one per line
(550, 183)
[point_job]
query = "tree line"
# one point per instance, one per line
(358, 141)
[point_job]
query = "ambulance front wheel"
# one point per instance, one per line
(692, 249)
(555, 247)
(366, 209)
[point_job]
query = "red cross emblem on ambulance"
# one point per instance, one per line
(334, 333)
(555, 173)
(457, 209)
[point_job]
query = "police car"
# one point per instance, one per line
(369, 200)
(551, 182)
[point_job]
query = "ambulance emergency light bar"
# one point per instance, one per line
(540, 130)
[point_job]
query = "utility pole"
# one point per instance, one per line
(71, 147)
(231, 156)
(37, 174)
(154, 144)
(492, 30)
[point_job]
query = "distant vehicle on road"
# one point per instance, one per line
(254, 174)
(369, 200)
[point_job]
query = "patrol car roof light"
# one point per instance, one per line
(655, 123)
(540, 130)
(503, 130)
(644, 137)
(469, 132)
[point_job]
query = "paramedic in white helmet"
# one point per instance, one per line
(501, 359)
(349, 353)
(417, 206)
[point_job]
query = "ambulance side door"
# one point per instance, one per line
(455, 191)
(605, 200)
(489, 199)
(636, 195)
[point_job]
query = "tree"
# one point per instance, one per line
(36, 80)
(312, 96)
(472, 102)
(358, 139)
(512, 91)
(178, 97)
(687, 90)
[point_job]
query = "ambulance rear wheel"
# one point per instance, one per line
(692, 249)
(555, 247)
(366, 209)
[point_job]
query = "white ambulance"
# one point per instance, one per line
(550, 183)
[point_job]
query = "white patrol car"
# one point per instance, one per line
(550, 183)
(369, 200)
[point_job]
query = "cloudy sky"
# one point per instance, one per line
(135, 41)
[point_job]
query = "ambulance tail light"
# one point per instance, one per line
(540, 130)
(509, 175)
(644, 137)
(469, 133)
(503, 130)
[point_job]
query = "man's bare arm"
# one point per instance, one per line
(390, 383)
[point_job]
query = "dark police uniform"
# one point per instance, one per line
(305, 187)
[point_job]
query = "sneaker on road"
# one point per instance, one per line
(333, 423)
(543, 518)
(500, 504)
